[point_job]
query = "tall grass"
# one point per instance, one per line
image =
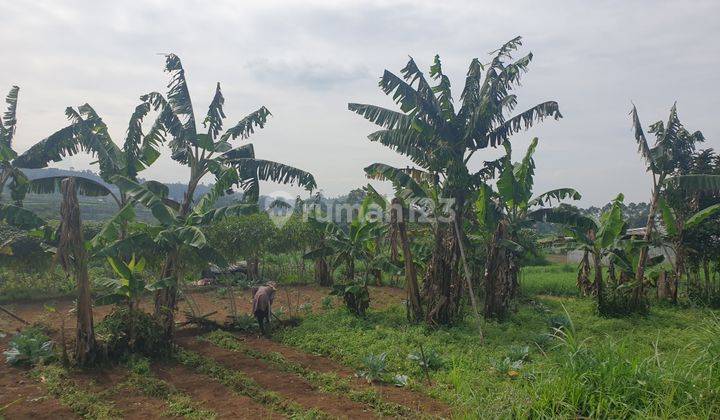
(662, 365)
(556, 280)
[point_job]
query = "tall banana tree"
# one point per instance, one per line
(670, 155)
(396, 229)
(12, 165)
(205, 151)
(504, 213)
(441, 139)
(88, 133)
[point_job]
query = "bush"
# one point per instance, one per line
(125, 332)
(30, 347)
(355, 295)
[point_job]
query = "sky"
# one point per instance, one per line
(306, 60)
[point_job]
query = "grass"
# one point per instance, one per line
(326, 382)
(663, 365)
(83, 403)
(556, 279)
(178, 404)
(244, 385)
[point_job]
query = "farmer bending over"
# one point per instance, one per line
(262, 304)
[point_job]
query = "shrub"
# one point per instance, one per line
(125, 332)
(30, 347)
(355, 295)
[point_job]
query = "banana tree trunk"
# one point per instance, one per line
(322, 273)
(583, 276)
(412, 289)
(166, 298)
(638, 291)
(598, 282)
(500, 275)
(73, 258)
(443, 285)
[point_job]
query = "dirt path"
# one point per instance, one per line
(288, 385)
(413, 400)
(212, 394)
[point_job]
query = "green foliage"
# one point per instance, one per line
(82, 402)
(129, 286)
(660, 366)
(374, 367)
(124, 331)
(30, 347)
(355, 295)
(242, 236)
(427, 359)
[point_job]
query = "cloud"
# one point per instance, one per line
(307, 60)
(314, 75)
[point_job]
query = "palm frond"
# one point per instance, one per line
(85, 186)
(558, 194)
(702, 215)
(178, 94)
(442, 90)
(523, 121)
(246, 126)
(400, 178)
(695, 183)
(145, 196)
(381, 116)
(9, 121)
(411, 143)
(216, 115)
(267, 170)
(134, 148)
(641, 140)
(410, 100)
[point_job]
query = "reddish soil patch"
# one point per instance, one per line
(26, 397)
(207, 300)
(413, 400)
(288, 385)
(130, 402)
(213, 395)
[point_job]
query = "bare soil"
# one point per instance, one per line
(32, 400)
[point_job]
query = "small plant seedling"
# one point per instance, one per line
(507, 367)
(327, 303)
(519, 353)
(375, 366)
(401, 380)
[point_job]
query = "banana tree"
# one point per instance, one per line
(599, 238)
(346, 247)
(12, 165)
(397, 235)
(441, 140)
(671, 154)
(504, 213)
(677, 225)
(205, 152)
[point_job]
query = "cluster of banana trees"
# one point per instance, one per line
(440, 139)
(177, 232)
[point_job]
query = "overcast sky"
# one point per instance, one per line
(306, 60)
